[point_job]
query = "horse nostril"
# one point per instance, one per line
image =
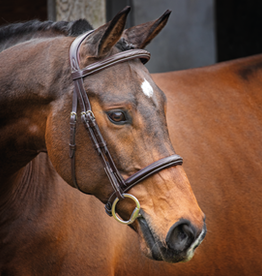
(181, 235)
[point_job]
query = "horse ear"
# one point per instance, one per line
(106, 36)
(141, 35)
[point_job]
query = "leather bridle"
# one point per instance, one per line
(119, 185)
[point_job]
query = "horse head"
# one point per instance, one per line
(129, 110)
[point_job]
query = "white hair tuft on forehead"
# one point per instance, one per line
(147, 88)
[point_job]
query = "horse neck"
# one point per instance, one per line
(14, 40)
(14, 34)
(33, 76)
(28, 191)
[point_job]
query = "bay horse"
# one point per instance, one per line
(214, 121)
(120, 150)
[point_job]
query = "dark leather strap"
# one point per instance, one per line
(114, 59)
(73, 54)
(159, 165)
(144, 173)
(118, 183)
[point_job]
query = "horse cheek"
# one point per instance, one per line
(57, 148)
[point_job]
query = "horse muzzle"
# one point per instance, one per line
(179, 245)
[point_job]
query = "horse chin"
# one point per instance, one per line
(154, 249)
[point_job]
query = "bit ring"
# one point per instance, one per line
(135, 213)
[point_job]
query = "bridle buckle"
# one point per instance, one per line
(88, 112)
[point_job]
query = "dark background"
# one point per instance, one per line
(22, 10)
(238, 28)
(238, 23)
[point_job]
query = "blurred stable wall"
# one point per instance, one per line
(187, 41)
(199, 32)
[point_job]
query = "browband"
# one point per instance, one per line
(119, 185)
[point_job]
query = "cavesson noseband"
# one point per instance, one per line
(119, 185)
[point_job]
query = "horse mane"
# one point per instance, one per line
(16, 33)
(73, 28)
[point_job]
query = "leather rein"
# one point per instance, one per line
(119, 185)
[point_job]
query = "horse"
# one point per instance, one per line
(213, 118)
(114, 147)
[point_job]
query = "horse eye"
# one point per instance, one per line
(117, 116)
